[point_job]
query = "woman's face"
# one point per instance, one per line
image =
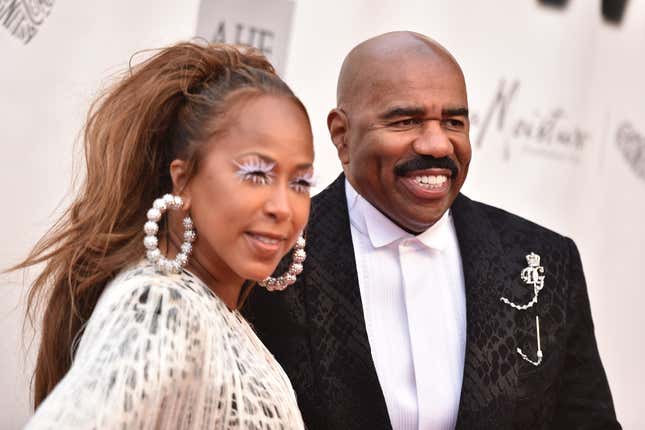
(249, 199)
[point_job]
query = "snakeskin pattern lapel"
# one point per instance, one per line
(490, 374)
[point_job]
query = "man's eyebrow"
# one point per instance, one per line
(417, 111)
(402, 111)
(456, 111)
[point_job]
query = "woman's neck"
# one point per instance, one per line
(227, 288)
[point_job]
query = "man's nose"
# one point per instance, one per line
(433, 141)
(277, 205)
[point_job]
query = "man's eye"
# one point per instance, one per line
(408, 122)
(454, 123)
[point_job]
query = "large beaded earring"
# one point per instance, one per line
(153, 254)
(295, 268)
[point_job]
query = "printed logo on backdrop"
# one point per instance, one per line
(631, 144)
(23, 18)
(263, 24)
(541, 131)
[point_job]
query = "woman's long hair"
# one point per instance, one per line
(165, 108)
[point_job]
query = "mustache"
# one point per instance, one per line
(423, 162)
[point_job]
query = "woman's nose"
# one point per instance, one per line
(277, 205)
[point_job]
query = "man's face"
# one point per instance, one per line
(407, 144)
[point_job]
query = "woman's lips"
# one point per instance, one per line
(265, 244)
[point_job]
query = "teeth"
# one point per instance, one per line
(433, 180)
(266, 240)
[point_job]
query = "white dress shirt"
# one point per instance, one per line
(412, 289)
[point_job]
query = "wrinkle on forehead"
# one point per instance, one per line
(383, 58)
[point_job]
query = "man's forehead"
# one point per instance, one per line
(411, 66)
(422, 88)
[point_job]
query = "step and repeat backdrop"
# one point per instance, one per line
(558, 125)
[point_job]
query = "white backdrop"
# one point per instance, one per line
(558, 132)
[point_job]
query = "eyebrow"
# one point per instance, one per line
(416, 111)
(456, 111)
(268, 159)
(304, 166)
(400, 111)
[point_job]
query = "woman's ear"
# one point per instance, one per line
(179, 175)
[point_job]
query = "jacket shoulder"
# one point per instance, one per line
(509, 223)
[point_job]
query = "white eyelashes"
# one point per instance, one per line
(256, 170)
(261, 172)
(304, 181)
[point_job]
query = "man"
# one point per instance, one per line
(418, 307)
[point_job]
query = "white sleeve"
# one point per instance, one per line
(138, 365)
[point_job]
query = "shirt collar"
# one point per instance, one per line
(381, 231)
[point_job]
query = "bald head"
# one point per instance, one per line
(402, 116)
(381, 57)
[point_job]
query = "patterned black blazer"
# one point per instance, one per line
(316, 328)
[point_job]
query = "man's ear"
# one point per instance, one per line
(338, 125)
(179, 175)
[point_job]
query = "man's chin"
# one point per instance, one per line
(419, 217)
(412, 223)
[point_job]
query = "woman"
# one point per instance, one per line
(199, 164)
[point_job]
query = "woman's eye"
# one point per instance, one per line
(256, 171)
(258, 177)
(301, 185)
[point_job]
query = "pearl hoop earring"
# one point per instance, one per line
(295, 268)
(151, 228)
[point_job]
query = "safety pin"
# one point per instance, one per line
(539, 348)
